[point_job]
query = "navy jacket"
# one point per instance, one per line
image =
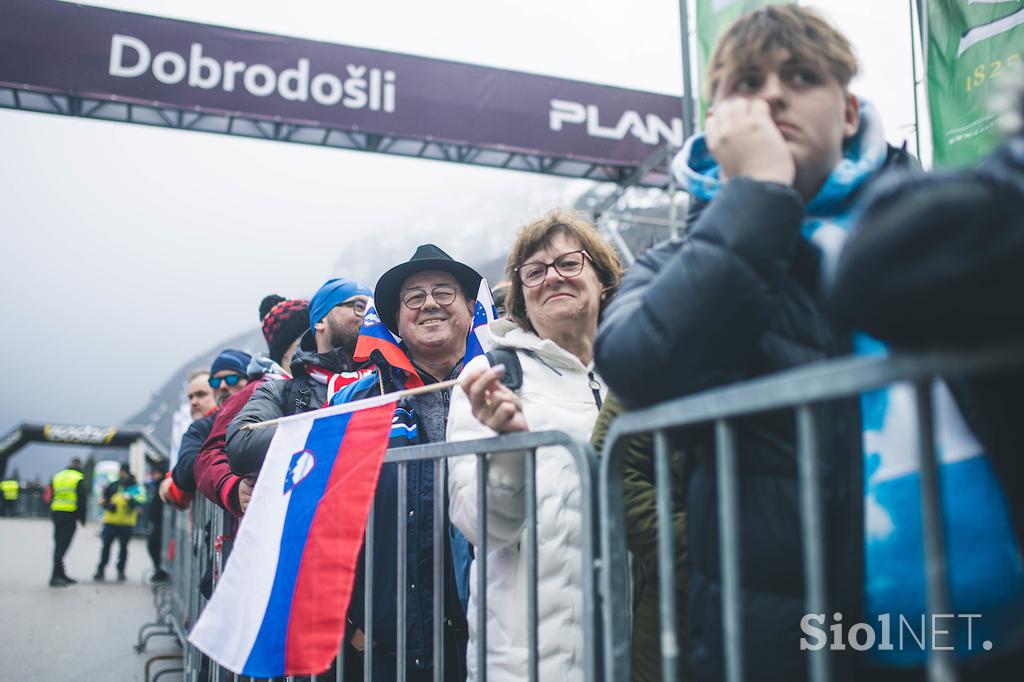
(408, 429)
(191, 443)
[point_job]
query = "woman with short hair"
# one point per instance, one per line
(562, 276)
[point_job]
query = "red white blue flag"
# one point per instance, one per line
(479, 340)
(374, 336)
(280, 607)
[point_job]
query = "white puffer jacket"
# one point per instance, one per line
(556, 394)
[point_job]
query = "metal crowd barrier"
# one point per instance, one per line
(800, 390)
(195, 549)
(606, 595)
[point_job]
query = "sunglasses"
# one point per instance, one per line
(230, 380)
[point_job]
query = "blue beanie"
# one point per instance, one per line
(333, 292)
(234, 360)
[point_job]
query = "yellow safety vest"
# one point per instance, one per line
(65, 490)
(123, 514)
(10, 488)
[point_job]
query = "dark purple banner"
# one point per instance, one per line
(98, 53)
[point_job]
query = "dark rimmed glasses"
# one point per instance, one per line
(230, 380)
(358, 306)
(443, 294)
(567, 265)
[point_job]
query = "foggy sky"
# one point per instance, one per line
(127, 250)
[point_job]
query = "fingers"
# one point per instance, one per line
(492, 403)
(745, 141)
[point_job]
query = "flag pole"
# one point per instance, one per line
(913, 77)
(356, 405)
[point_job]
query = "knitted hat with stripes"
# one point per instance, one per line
(284, 320)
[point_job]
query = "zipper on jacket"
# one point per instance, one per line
(595, 386)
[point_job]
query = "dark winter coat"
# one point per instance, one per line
(247, 448)
(192, 441)
(213, 474)
(936, 263)
(640, 504)
(740, 297)
(417, 420)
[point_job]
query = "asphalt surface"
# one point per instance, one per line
(82, 632)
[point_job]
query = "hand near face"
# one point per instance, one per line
(746, 143)
(493, 404)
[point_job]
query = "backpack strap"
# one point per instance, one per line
(513, 376)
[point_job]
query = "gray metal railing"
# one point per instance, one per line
(799, 390)
(605, 581)
(195, 549)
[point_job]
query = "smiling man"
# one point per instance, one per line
(788, 150)
(428, 302)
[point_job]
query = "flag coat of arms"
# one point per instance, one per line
(280, 606)
(479, 340)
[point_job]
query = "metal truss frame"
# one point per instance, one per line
(312, 133)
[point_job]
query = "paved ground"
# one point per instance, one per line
(83, 632)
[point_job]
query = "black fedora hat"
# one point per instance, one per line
(427, 257)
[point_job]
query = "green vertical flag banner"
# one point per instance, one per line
(972, 44)
(713, 17)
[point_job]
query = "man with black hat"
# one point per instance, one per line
(325, 351)
(428, 302)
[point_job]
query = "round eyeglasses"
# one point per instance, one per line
(358, 306)
(443, 295)
(567, 265)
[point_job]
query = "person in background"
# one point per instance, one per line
(10, 488)
(121, 502)
(228, 376)
(562, 274)
(67, 505)
(155, 523)
(283, 322)
(499, 294)
(201, 402)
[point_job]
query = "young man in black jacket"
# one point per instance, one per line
(787, 151)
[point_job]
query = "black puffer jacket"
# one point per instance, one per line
(247, 448)
(737, 298)
(936, 262)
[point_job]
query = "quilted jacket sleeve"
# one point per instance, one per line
(506, 511)
(690, 311)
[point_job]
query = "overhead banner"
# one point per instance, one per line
(56, 47)
(972, 45)
(713, 17)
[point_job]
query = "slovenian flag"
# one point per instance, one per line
(479, 340)
(280, 607)
(375, 336)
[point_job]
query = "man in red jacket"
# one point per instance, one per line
(283, 322)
